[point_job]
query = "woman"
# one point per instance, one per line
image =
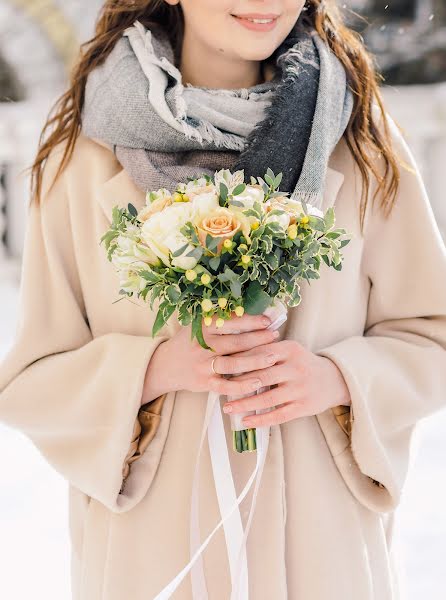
(169, 87)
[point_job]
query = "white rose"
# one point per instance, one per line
(174, 241)
(205, 202)
(128, 247)
(283, 219)
(297, 208)
(251, 194)
(161, 225)
(130, 281)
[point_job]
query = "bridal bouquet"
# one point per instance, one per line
(217, 246)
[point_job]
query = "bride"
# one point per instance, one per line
(168, 88)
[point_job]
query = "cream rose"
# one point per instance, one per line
(161, 233)
(218, 223)
(252, 193)
(157, 205)
(128, 250)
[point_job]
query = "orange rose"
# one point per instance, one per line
(218, 223)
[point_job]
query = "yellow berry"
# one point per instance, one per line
(191, 274)
(239, 310)
(227, 243)
(177, 197)
(222, 302)
(206, 305)
(304, 220)
(205, 279)
(246, 259)
(219, 322)
(255, 225)
(292, 232)
(243, 247)
(207, 321)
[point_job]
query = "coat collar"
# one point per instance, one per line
(120, 190)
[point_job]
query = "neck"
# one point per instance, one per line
(216, 71)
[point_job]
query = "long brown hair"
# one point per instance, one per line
(362, 134)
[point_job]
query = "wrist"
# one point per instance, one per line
(155, 381)
(338, 386)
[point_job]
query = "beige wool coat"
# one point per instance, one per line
(72, 382)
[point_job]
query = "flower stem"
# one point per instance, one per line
(251, 434)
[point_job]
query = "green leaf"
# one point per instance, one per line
(150, 276)
(236, 203)
(239, 189)
(132, 210)
(329, 218)
(197, 330)
(214, 262)
(278, 180)
(180, 251)
(256, 299)
(223, 191)
(236, 288)
(197, 253)
(173, 292)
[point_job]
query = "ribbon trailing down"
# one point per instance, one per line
(235, 536)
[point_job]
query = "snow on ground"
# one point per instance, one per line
(34, 541)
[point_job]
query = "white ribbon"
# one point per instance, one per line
(235, 537)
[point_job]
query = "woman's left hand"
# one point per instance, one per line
(306, 384)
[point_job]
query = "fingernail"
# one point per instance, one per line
(271, 359)
(266, 321)
(255, 384)
(227, 408)
(276, 334)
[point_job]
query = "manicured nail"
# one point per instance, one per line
(266, 321)
(276, 334)
(271, 359)
(227, 408)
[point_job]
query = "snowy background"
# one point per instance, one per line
(38, 39)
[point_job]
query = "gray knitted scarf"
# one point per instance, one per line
(163, 132)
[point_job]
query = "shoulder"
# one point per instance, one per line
(91, 163)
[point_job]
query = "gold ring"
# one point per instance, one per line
(212, 365)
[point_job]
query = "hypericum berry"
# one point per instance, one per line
(219, 322)
(227, 243)
(222, 302)
(205, 279)
(246, 259)
(243, 247)
(206, 305)
(304, 220)
(255, 225)
(292, 231)
(207, 321)
(191, 274)
(239, 310)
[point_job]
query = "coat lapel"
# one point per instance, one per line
(120, 190)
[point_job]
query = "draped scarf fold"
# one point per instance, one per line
(163, 132)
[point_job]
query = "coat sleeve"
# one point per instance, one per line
(75, 396)
(396, 370)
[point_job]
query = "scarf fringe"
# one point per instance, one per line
(207, 131)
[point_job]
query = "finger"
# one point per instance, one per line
(279, 347)
(267, 399)
(274, 375)
(237, 324)
(232, 364)
(228, 344)
(233, 388)
(282, 414)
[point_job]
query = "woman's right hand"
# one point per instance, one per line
(182, 364)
